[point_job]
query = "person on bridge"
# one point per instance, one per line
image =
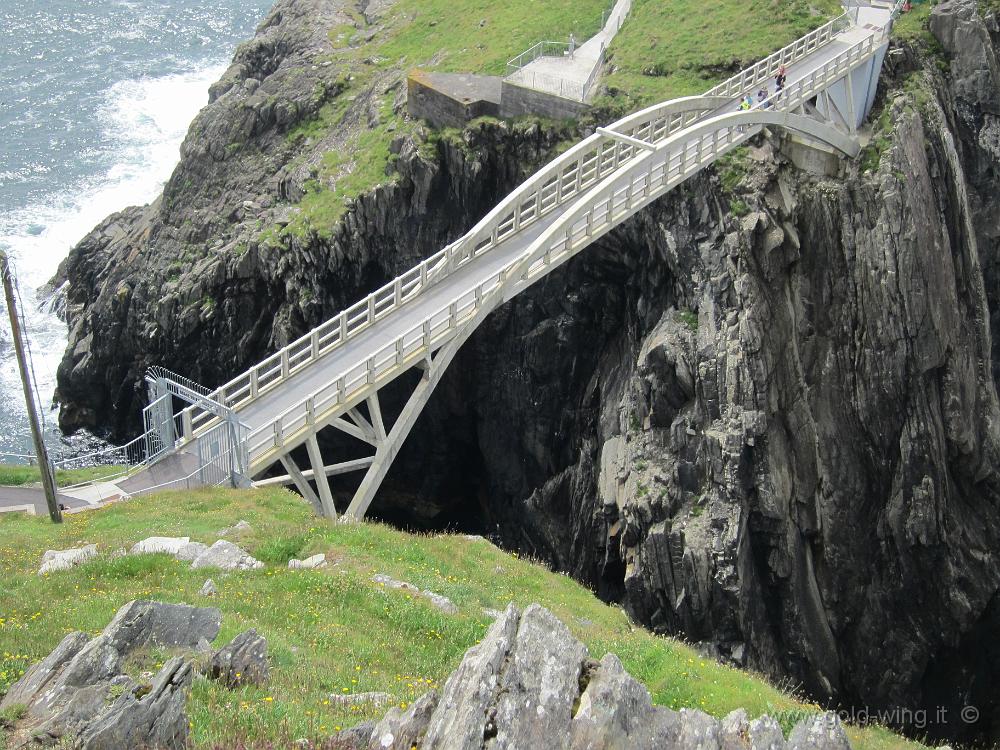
(745, 106)
(762, 98)
(779, 80)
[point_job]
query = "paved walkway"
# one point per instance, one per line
(568, 75)
(32, 500)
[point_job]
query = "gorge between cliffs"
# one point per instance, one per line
(762, 414)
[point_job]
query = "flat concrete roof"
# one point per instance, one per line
(463, 87)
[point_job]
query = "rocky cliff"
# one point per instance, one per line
(767, 420)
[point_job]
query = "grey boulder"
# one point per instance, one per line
(55, 559)
(156, 720)
(226, 556)
(530, 684)
(191, 551)
(66, 695)
(168, 545)
(316, 561)
(243, 661)
(823, 732)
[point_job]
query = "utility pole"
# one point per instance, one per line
(44, 467)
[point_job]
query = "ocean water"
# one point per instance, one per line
(95, 99)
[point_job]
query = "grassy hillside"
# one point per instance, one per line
(331, 630)
(684, 47)
(667, 48)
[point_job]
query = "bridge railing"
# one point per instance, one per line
(551, 187)
(764, 70)
(696, 147)
(673, 162)
(541, 49)
(551, 83)
(583, 165)
(132, 453)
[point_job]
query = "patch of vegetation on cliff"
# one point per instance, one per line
(732, 168)
(913, 25)
(479, 37)
(918, 96)
(332, 631)
(677, 48)
(665, 49)
(913, 28)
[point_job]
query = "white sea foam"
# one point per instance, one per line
(143, 123)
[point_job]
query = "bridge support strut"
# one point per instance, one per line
(301, 483)
(391, 442)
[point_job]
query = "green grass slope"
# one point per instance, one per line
(19, 476)
(331, 630)
(684, 47)
(666, 49)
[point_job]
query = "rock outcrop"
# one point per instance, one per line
(530, 684)
(64, 559)
(773, 429)
(226, 556)
(242, 661)
(80, 695)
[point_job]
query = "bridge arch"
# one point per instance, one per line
(653, 175)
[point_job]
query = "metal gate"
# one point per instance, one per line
(158, 420)
(215, 455)
(222, 455)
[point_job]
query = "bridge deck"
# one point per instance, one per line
(433, 303)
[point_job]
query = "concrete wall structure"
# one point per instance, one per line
(516, 101)
(449, 100)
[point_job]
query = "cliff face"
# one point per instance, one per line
(775, 432)
(192, 281)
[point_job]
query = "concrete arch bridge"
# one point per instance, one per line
(330, 378)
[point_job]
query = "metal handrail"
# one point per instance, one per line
(155, 372)
(765, 69)
(539, 49)
(132, 453)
